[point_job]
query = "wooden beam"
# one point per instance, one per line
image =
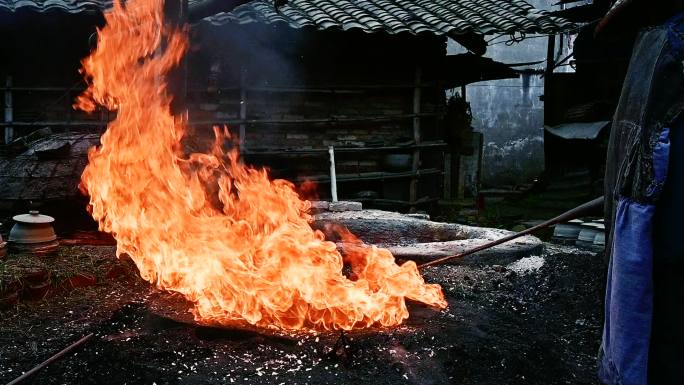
(473, 42)
(247, 122)
(265, 151)
(548, 78)
(370, 176)
(447, 176)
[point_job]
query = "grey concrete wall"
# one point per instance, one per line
(509, 112)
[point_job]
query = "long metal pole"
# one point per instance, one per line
(577, 212)
(50, 360)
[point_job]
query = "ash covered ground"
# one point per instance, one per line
(536, 321)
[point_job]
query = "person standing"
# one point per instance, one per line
(643, 336)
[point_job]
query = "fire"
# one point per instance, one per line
(232, 241)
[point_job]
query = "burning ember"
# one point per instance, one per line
(232, 241)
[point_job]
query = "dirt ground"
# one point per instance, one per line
(537, 321)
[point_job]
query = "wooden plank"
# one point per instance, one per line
(324, 151)
(323, 88)
(248, 122)
(378, 118)
(371, 176)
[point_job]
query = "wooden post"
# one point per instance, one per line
(176, 12)
(9, 110)
(243, 107)
(549, 97)
(460, 191)
(548, 75)
(447, 176)
(417, 91)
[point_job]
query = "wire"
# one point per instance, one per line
(501, 86)
(514, 39)
(518, 40)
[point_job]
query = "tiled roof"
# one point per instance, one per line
(392, 16)
(70, 6)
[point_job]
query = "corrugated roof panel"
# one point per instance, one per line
(586, 131)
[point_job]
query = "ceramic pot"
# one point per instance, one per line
(600, 239)
(588, 234)
(32, 228)
(568, 231)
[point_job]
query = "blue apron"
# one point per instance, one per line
(636, 176)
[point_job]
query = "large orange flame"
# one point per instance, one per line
(251, 257)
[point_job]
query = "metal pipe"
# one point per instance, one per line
(50, 360)
(333, 174)
(579, 211)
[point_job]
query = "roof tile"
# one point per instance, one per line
(391, 16)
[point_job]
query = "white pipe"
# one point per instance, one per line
(333, 175)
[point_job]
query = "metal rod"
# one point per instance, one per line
(50, 360)
(577, 212)
(333, 174)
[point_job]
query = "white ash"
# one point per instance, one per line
(527, 265)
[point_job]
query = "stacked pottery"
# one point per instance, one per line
(600, 239)
(33, 233)
(567, 233)
(588, 234)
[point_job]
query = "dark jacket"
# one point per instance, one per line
(636, 171)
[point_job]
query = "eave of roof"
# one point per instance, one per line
(444, 17)
(45, 6)
(396, 16)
